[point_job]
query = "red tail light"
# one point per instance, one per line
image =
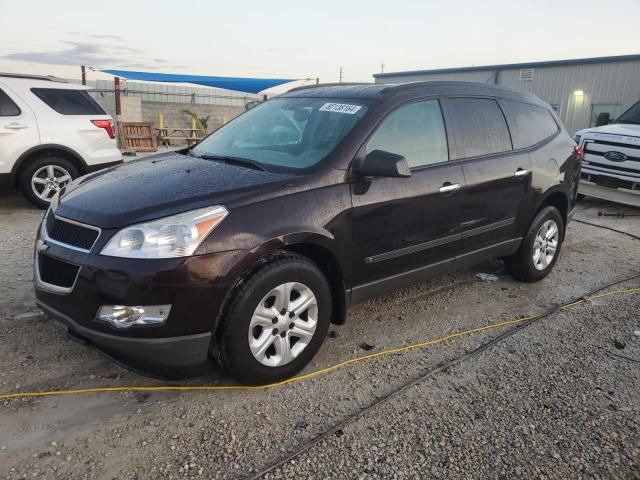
(579, 152)
(107, 125)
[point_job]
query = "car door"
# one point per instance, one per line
(403, 228)
(498, 179)
(18, 128)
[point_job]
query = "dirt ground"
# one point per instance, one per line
(559, 399)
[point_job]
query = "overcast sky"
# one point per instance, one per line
(295, 39)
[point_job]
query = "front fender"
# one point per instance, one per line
(311, 244)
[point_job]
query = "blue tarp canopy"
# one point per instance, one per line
(248, 85)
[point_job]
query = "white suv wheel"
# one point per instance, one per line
(47, 180)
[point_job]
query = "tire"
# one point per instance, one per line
(43, 168)
(245, 327)
(523, 265)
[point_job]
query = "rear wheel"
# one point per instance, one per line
(276, 323)
(540, 247)
(42, 178)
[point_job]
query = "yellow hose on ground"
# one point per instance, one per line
(315, 373)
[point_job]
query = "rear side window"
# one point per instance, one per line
(480, 127)
(529, 124)
(7, 107)
(69, 102)
(415, 131)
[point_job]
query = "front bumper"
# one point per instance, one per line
(618, 195)
(195, 287)
(171, 357)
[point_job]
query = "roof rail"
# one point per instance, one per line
(50, 78)
(421, 83)
(320, 85)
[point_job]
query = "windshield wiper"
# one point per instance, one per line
(632, 122)
(243, 162)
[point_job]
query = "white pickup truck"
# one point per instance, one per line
(611, 159)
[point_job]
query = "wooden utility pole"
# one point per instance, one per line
(341, 71)
(116, 91)
(84, 74)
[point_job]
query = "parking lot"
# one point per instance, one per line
(558, 399)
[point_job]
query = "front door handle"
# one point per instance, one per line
(521, 172)
(449, 187)
(16, 126)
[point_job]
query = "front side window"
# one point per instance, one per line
(632, 115)
(480, 127)
(529, 124)
(8, 108)
(603, 114)
(415, 131)
(69, 102)
(285, 133)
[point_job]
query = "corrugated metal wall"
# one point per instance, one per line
(616, 83)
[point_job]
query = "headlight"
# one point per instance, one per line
(175, 236)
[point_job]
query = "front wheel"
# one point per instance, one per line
(276, 323)
(540, 248)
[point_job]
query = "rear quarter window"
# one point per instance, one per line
(529, 124)
(69, 102)
(7, 106)
(480, 127)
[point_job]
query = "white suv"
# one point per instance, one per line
(50, 133)
(611, 153)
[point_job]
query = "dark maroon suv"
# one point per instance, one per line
(244, 248)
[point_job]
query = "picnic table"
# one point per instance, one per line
(189, 135)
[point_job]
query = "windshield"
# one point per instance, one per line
(285, 133)
(630, 116)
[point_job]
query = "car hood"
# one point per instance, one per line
(157, 186)
(625, 129)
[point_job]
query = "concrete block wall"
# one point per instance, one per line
(173, 116)
(133, 109)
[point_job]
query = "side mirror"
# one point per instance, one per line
(379, 163)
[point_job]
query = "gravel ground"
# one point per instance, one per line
(559, 399)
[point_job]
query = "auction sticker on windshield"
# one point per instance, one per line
(340, 108)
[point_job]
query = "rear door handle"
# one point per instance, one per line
(16, 126)
(521, 172)
(449, 187)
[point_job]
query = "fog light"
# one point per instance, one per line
(124, 316)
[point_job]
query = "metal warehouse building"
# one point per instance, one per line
(585, 92)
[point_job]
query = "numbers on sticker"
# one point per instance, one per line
(340, 108)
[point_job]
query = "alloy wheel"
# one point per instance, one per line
(545, 245)
(48, 180)
(283, 324)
